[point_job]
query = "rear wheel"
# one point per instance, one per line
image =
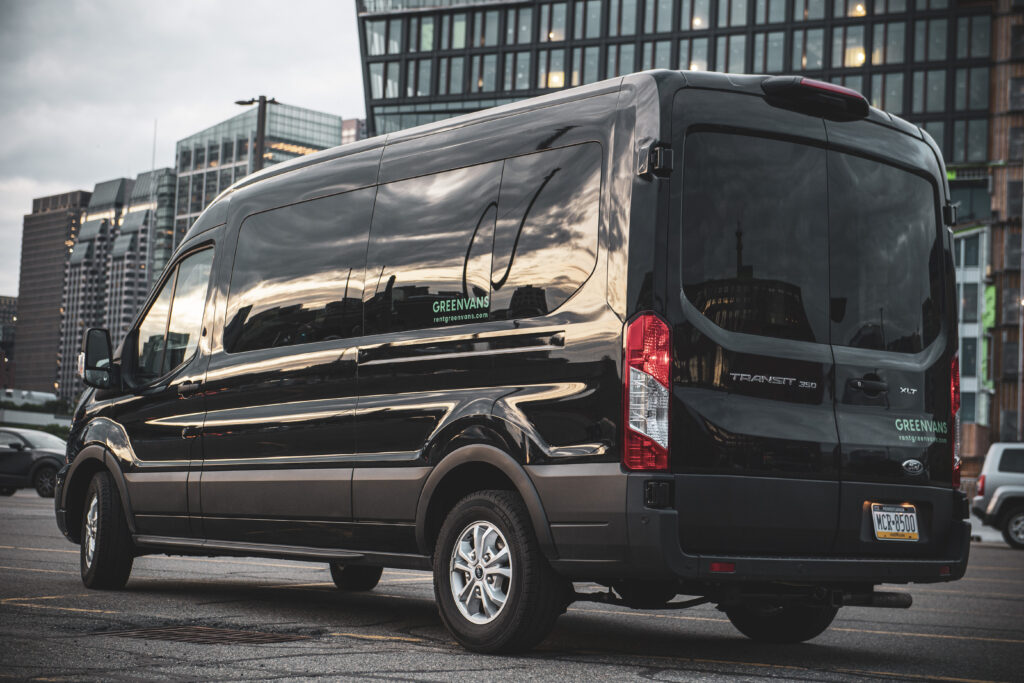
(1013, 528)
(107, 552)
(45, 481)
(494, 589)
(355, 578)
(786, 623)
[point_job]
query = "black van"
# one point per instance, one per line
(674, 333)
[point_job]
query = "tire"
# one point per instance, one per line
(787, 623)
(355, 578)
(8, 491)
(45, 481)
(107, 552)
(1013, 528)
(524, 595)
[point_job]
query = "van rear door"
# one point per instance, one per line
(752, 419)
(894, 336)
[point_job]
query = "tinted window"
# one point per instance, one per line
(1012, 460)
(429, 256)
(886, 255)
(754, 235)
(187, 309)
(150, 345)
(297, 276)
(9, 440)
(545, 242)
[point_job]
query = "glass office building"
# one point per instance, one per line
(209, 161)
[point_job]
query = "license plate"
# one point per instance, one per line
(894, 522)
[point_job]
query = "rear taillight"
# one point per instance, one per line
(646, 376)
(981, 486)
(954, 404)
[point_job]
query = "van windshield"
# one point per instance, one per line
(788, 240)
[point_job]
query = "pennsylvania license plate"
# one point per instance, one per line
(894, 522)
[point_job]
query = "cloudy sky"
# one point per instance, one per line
(81, 82)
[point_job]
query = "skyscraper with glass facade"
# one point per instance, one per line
(210, 160)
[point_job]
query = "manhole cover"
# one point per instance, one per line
(206, 635)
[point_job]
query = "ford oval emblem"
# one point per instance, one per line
(913, 467)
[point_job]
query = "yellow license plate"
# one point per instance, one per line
(894, 522)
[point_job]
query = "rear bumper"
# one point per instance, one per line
(653, 551)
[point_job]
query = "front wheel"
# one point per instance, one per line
(786, 623)
(107, 552)
(1013, 528)
(355, 578)
(45, 481)
(494, 589)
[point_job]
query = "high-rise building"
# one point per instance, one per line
(210, 160)
(352, 130)
(8, 317)
(47, 236)
(87, 278)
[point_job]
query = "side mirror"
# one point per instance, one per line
(95, 363)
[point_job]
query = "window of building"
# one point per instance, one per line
(658, 16)
(422, 272)
(769, 50)
(546, 214)
(450, 72)
(484, 74)
(182, 206)
(968, 406)
(890, 6)
(621, 59)
(769, 11)
(731, 53)
(621, 18)
(587, 22)
(421, 33)
(211, 187)
(225, 179)
(453, 31)
(586, 65)
(969, 357)
(695, 15)
(970, 140)
(929, 40)
(889, 43)
(283, 293)
(1014, 200)
(971, 91)
(1017, 94)
(808, 10)
(376, 37)
(656, 55)
(851, 81)
(971, 251)
(227, 150)
(391, 82)
(808, 49)
(973, 35)
(848, 46)
(376, 80)
(937, 129)
(185, 160)
(551, 69)
(199, 157)
(732, 13)
(1016, 144)
(849, 8)
(394, 36)
(1017, 41)
(552, 22)
(969, 303)
(928, 91)
(196, 199)
(486, 28)
(417, 81)
(693, 54)
(519, 25)
(242, 148)
(932, 4)
(517, 71)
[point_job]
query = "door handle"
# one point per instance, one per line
(869, 386)
(188, 388)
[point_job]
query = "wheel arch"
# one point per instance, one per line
(472, 468)
(90, 460)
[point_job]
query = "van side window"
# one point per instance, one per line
(545, 241)
(1012, 460)
(886, 256)
(169, 333)
(297, 275)
(429, 257)
(755, 235)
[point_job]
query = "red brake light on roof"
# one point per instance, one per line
(817, 98)
(646, 378)
(954, 409)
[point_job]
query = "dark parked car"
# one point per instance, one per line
(675, 333)
(29, 457)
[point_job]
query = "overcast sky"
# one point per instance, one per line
(81, 83)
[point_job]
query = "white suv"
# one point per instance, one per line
(1000, 499)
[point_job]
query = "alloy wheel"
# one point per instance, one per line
(480, 572)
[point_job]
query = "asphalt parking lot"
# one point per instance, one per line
(261, 619)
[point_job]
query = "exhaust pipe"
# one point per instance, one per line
(891, 599)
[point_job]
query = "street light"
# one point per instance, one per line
(261, 125)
